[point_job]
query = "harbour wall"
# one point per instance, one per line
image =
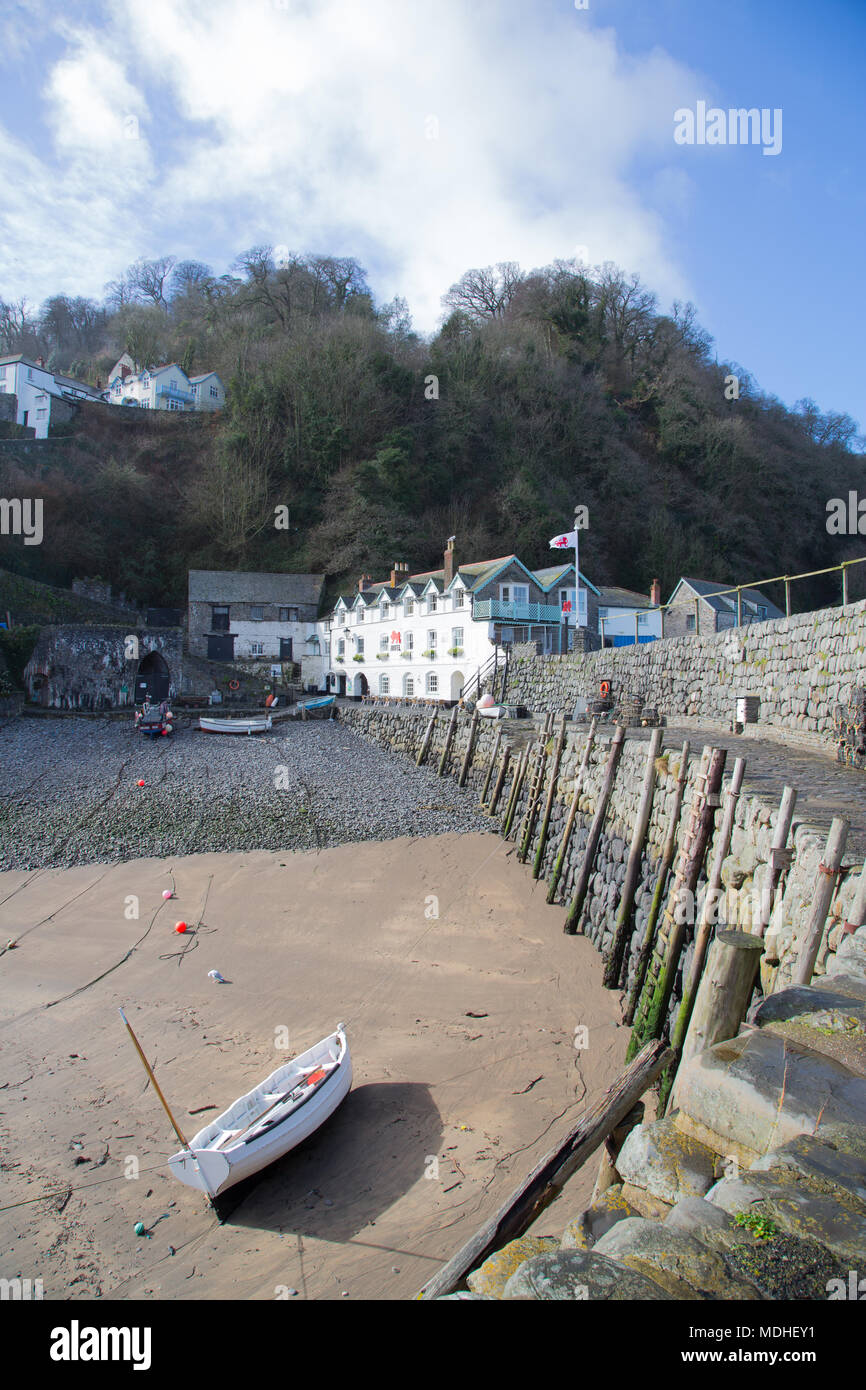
(745, 869)
(799, 667)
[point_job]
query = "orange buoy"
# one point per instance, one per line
(604, 689)
(234, 685)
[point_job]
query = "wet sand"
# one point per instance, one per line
(461, 1028)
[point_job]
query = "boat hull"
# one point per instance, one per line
(214, 1170)
(234, 726)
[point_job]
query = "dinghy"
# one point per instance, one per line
(324, 702)
(269, 1121)
(257, 724)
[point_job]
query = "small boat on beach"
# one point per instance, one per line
(256, 724)
(324, 702)
(269, 1121)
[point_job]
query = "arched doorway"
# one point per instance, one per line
(457, 681)
(359, 686)
(153, 678)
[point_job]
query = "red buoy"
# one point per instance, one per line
(180, 926)
(141, 783)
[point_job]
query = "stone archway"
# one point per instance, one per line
(360, 686)
(153, 679)
(457, 683)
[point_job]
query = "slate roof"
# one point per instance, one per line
(614, 597)
(727, 603)
(242, 586)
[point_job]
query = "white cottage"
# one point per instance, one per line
(165, 388)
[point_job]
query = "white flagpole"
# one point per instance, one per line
(576, 573)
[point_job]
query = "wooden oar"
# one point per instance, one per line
(280, 1100)
(149, 1069)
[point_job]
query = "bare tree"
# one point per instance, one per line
(487, 293)
(149, 279)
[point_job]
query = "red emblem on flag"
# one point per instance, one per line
(566, 607)
(562, 542)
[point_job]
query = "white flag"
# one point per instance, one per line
(566, 542)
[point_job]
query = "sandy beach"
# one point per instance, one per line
(461, 1026)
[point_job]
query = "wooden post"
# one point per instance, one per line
(425, 742)
(779, 857)
(607, 1174)
(497, 790)
(449, 739)
(724, 993)
(572, 812)
(548, 806)
(550, 1175)
(467, 761)
(739, 606)
(601, 623)
(516, 788)
(582, 886)
(636, 632)
(622, 928)
(826, 882)
(697, 617)
(661, 882)
(493, 756)
(787, 597)
(664, 613)
(691, 858)
(705, 924)
(844, 584)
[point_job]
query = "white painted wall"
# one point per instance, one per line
(34, 387)
(620, 622)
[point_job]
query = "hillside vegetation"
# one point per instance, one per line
(541, 390)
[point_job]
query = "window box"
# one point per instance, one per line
(430, 653)
(357, 657)
(455, 651)
(341, 659)
(382, 656)
(407, 656)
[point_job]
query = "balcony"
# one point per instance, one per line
(493, 609)
(174, 393)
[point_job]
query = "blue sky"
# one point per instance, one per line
(427, 139)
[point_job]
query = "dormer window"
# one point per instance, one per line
(409, 607)
(457, 595)
(431, 602)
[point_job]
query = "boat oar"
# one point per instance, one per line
(149, 1069)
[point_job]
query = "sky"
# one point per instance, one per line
(425, 139)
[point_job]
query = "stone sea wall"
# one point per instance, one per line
(745, 869)
(799, 668)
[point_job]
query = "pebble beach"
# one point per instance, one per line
(69, 792)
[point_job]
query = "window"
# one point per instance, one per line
(257, 612)
(257, 648)
(457, 637)
(29, 373)
(408, 641)
(341, 647)
(431, 639)
(409, 686)
(2, 373)
(384, 685)
(432, 683)
(384, 611)
(690, 622)
(42, 413)
(643, 619)
(409, 607)
(219, 619)
(431, 603)
(359, 646)
(289, 615)
(214, 390)
(341, 619)
(384, 642)
(360, 615)
(458, 598)
(762, 612)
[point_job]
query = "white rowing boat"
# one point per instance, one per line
(256, 724)
(268, 1122)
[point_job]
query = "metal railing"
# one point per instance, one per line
(744, 618)
(494, 608)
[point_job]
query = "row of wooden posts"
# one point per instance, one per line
(724, 966)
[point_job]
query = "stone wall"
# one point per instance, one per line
(84, 667)
(799, 667)
(745, 869)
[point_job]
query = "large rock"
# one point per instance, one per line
(830, 1021)
(665, 1162)
(590, 1225)
(782, 1267)
(678, 1263)
(808, 1207)
(850, 959)
(757, 1090)
(491, 1277)
(581, 1275)
(820, 1162)
(693, 1216)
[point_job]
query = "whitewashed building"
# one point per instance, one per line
(35, 387)
(626, 617)
(261, 618)
(431, 635)
(164, 388)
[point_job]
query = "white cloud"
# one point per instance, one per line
(304, 124)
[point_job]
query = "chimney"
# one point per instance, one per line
(449, 562)
(656, 592)
(399, 574)
(40, 361)
(364, 581)
(124, 371)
